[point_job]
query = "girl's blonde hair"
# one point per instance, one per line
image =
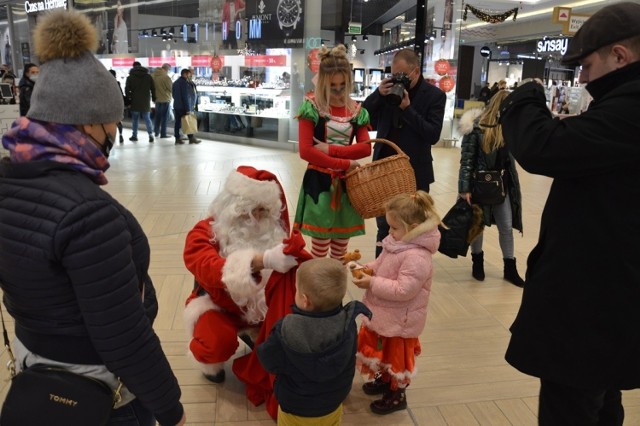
(489, 124)
(412, 209)
(333, 61)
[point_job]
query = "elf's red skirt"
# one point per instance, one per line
(393, 357)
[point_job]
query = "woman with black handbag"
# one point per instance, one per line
(74, 264)
(488, 177)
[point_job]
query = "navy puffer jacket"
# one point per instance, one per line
(72, 268)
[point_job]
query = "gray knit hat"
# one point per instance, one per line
(73, 86)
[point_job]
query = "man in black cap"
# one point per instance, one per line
(578, 328)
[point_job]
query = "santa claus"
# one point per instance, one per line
(244, 261)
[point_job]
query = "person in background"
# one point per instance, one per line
(414, 125)
(397, 295)
(329, 121)
(577, 327)
(485, 92)
(243, 259)
(184, 102)
(483, 148)
(10, 79)
(163, 85)
(28, 80)
(121, 137)
(74, 264)
(140, 91)
(312, 350)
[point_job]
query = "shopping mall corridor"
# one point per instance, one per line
(462, 377)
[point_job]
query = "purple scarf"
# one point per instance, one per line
(30, 140)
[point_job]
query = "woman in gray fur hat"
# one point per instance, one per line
(74, 264)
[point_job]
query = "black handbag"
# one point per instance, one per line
(488, 187)
(50, 395)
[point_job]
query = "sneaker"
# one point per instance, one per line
(163, 136)
(218, 378)
(156, 134)
(151, 139)
(121, 139)
(133, 139)
(179, 141)
(376, 387)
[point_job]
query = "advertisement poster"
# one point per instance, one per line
(275, 23)
(111, 18)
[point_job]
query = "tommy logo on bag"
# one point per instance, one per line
(62, 400)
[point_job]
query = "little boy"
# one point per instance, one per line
(312, 350)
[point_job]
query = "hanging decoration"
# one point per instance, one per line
(441, 66)
(486, 17)
(446, 83)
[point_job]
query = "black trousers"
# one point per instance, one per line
(562, 405)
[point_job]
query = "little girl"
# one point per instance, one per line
(397, 294)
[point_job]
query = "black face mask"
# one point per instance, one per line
(107, 144)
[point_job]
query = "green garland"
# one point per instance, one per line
(492, 19)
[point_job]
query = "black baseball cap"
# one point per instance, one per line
(610, 24)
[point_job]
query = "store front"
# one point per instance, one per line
(248, 57)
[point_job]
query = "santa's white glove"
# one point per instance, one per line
(275, 259)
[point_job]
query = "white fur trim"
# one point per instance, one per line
(241, 285)
(465, 125)
(264, 192)
(208, 369)
(195, 309)
(426, 226)
(374, 364)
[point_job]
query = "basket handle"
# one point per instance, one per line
(386, 142)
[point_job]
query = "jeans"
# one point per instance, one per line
(160, 119)
(132, 414)
(504, 222)
(135, 116)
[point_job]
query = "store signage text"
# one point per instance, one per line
(225, 30)
(41, 6)
(557, 45)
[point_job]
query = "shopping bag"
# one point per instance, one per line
(189, 124)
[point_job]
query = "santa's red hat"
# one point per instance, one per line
(260, 186)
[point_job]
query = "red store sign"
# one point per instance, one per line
(201, 61)
(156, 61)
(265, 61)
(123, 62)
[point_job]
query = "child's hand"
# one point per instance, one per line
(363, 282)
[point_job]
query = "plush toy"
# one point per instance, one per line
(358, 271)
(351, 256)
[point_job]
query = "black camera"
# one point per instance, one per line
(400, 82)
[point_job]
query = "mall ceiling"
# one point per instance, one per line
(374, 14)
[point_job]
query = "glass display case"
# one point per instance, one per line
(261, 113)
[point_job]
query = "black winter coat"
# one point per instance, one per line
(26, 88)
(421, 125)
(473, 158)
(313, 356)
(579, 320)
(72, 268)
(140, 90)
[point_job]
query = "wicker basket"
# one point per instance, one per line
(369, 187)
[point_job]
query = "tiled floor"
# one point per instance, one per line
(462, 377)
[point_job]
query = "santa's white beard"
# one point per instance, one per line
(241, 233)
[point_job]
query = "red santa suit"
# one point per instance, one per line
(231, 298)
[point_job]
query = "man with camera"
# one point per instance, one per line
(408, 111)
